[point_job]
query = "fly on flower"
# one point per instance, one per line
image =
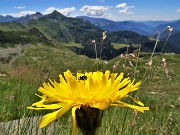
(87, 98)
(83, 77)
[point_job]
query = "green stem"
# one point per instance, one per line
(155, 46)
(152, 55)
(95, 48)
(137, 60)
(165, 42)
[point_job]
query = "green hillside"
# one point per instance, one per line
(58, 28)
(33, 35)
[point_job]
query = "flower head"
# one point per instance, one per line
(103, 35)
(93, 41)
(92, 89)
(168, 28)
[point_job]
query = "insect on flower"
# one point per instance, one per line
(83, 77)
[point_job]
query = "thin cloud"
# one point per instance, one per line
(95, 10)
(20, 7)
(122, 5)
(124, 8)
(22, 13)
(65, 11)
(178, 10)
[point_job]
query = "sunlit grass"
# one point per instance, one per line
(73, 44)
(118, 46)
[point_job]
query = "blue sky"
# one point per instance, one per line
(117, 10)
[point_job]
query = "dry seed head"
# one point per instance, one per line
(171, 29)
(132, 55)
(93, 41)
(167, 28)
(149, 63)
(104, 35)
(163, 62)
(122, 56)
(164, 65)
(114, 67)
(163, 59)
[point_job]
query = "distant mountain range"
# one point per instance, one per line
(65, 29)
(146, 28)
(22, 19)
(7, 18)
(57, 27)
(141, 27)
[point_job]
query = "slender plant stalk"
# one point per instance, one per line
(166, 42)
(137, 60)
(126, 54)
(152, 54)
(155, 46)
(103, 38)
(95, 48)
(101, 50)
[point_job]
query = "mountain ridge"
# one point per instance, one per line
(60, 28)
(146, 28)
(22, 19)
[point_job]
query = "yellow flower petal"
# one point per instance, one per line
(74, 120)
(102, 106)
(138, 108)
(41, 106)
(137, 101)
(48, 118)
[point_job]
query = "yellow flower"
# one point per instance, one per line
(91, 89)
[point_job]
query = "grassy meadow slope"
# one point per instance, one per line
(21, 77)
